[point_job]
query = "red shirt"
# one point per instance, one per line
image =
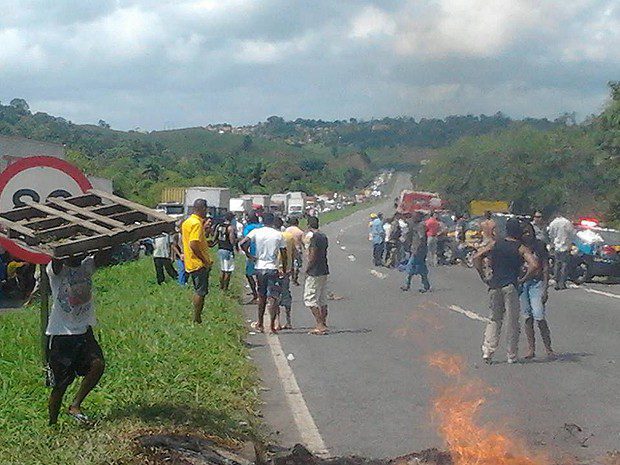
(432, 227)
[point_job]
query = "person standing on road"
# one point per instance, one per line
(506, 258)
(270, 253)
(534, 294)
(561, 235)
(377, 237)
(317, 271)
(433, 231)
(196, 255)
(417, 259)
(226, 237)
(72, 347)
(539, 227)
(489, 228)
(162, 253)
(298, 236)
(250, 273)
(286, 299)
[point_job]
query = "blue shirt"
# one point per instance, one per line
(246, 230)
(376, 231)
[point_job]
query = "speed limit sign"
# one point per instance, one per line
(39, 178)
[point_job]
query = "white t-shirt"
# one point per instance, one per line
(161, 246)
(268, 243)
(561, 232)
(72, 299)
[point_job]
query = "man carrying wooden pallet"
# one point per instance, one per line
(72, 347)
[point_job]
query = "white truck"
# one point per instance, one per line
(240, 206)
(179, 202)
(279, 203)
(259, 200)
(296, 204)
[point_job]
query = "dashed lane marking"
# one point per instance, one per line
(301, 414)
(469, 313)
(594, 291)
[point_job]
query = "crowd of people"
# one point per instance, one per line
(515, 266)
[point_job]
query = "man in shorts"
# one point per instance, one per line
(317, 271)
(196, 255)
(270, 250)
(72, 347)
(226, 237)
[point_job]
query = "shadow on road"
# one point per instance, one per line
(560, 358)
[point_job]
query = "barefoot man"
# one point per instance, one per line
(270, 261)
(73, 349)
(317, 270)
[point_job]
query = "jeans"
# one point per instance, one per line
(503, 301)
(182, 273)
(377, 253)
(162, 264)
(417, 265)
(531, 299)
(432, 250)
(561, 268)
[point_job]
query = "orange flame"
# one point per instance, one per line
(457, 408)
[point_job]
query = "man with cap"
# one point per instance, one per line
(507, 257)
(377, 237)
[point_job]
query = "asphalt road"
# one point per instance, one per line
(370, 390)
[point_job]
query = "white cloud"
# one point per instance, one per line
(372, 22)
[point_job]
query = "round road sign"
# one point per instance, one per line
(37, 179)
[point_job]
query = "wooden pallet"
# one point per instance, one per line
(85, 223)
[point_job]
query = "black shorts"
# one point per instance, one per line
(268, 283)
(72, 355)
(200, 281)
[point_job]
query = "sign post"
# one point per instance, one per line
(45, 307)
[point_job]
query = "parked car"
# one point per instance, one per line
(596, 252)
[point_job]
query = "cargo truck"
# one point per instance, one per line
(178, 202)
(296, 204)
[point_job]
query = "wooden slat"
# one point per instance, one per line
(22, 213)
(88, 213)
(71, 218)
(133, 206)
(130, 217)
(21, 229)
(109, 209)
(61, 232)
(44, 223)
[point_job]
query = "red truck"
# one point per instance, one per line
(411, 201)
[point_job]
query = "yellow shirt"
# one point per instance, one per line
(289, 240)
(193, 229)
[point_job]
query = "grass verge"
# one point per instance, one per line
(163, 374)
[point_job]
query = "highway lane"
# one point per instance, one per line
(370, 390)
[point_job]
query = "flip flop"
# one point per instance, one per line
(81, 419)
(317, 332)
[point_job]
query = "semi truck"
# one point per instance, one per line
(178, 201)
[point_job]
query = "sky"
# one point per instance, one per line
(164, 64)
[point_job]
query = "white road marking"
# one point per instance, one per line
(594, 291)
(469, 313)
(306, 426)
